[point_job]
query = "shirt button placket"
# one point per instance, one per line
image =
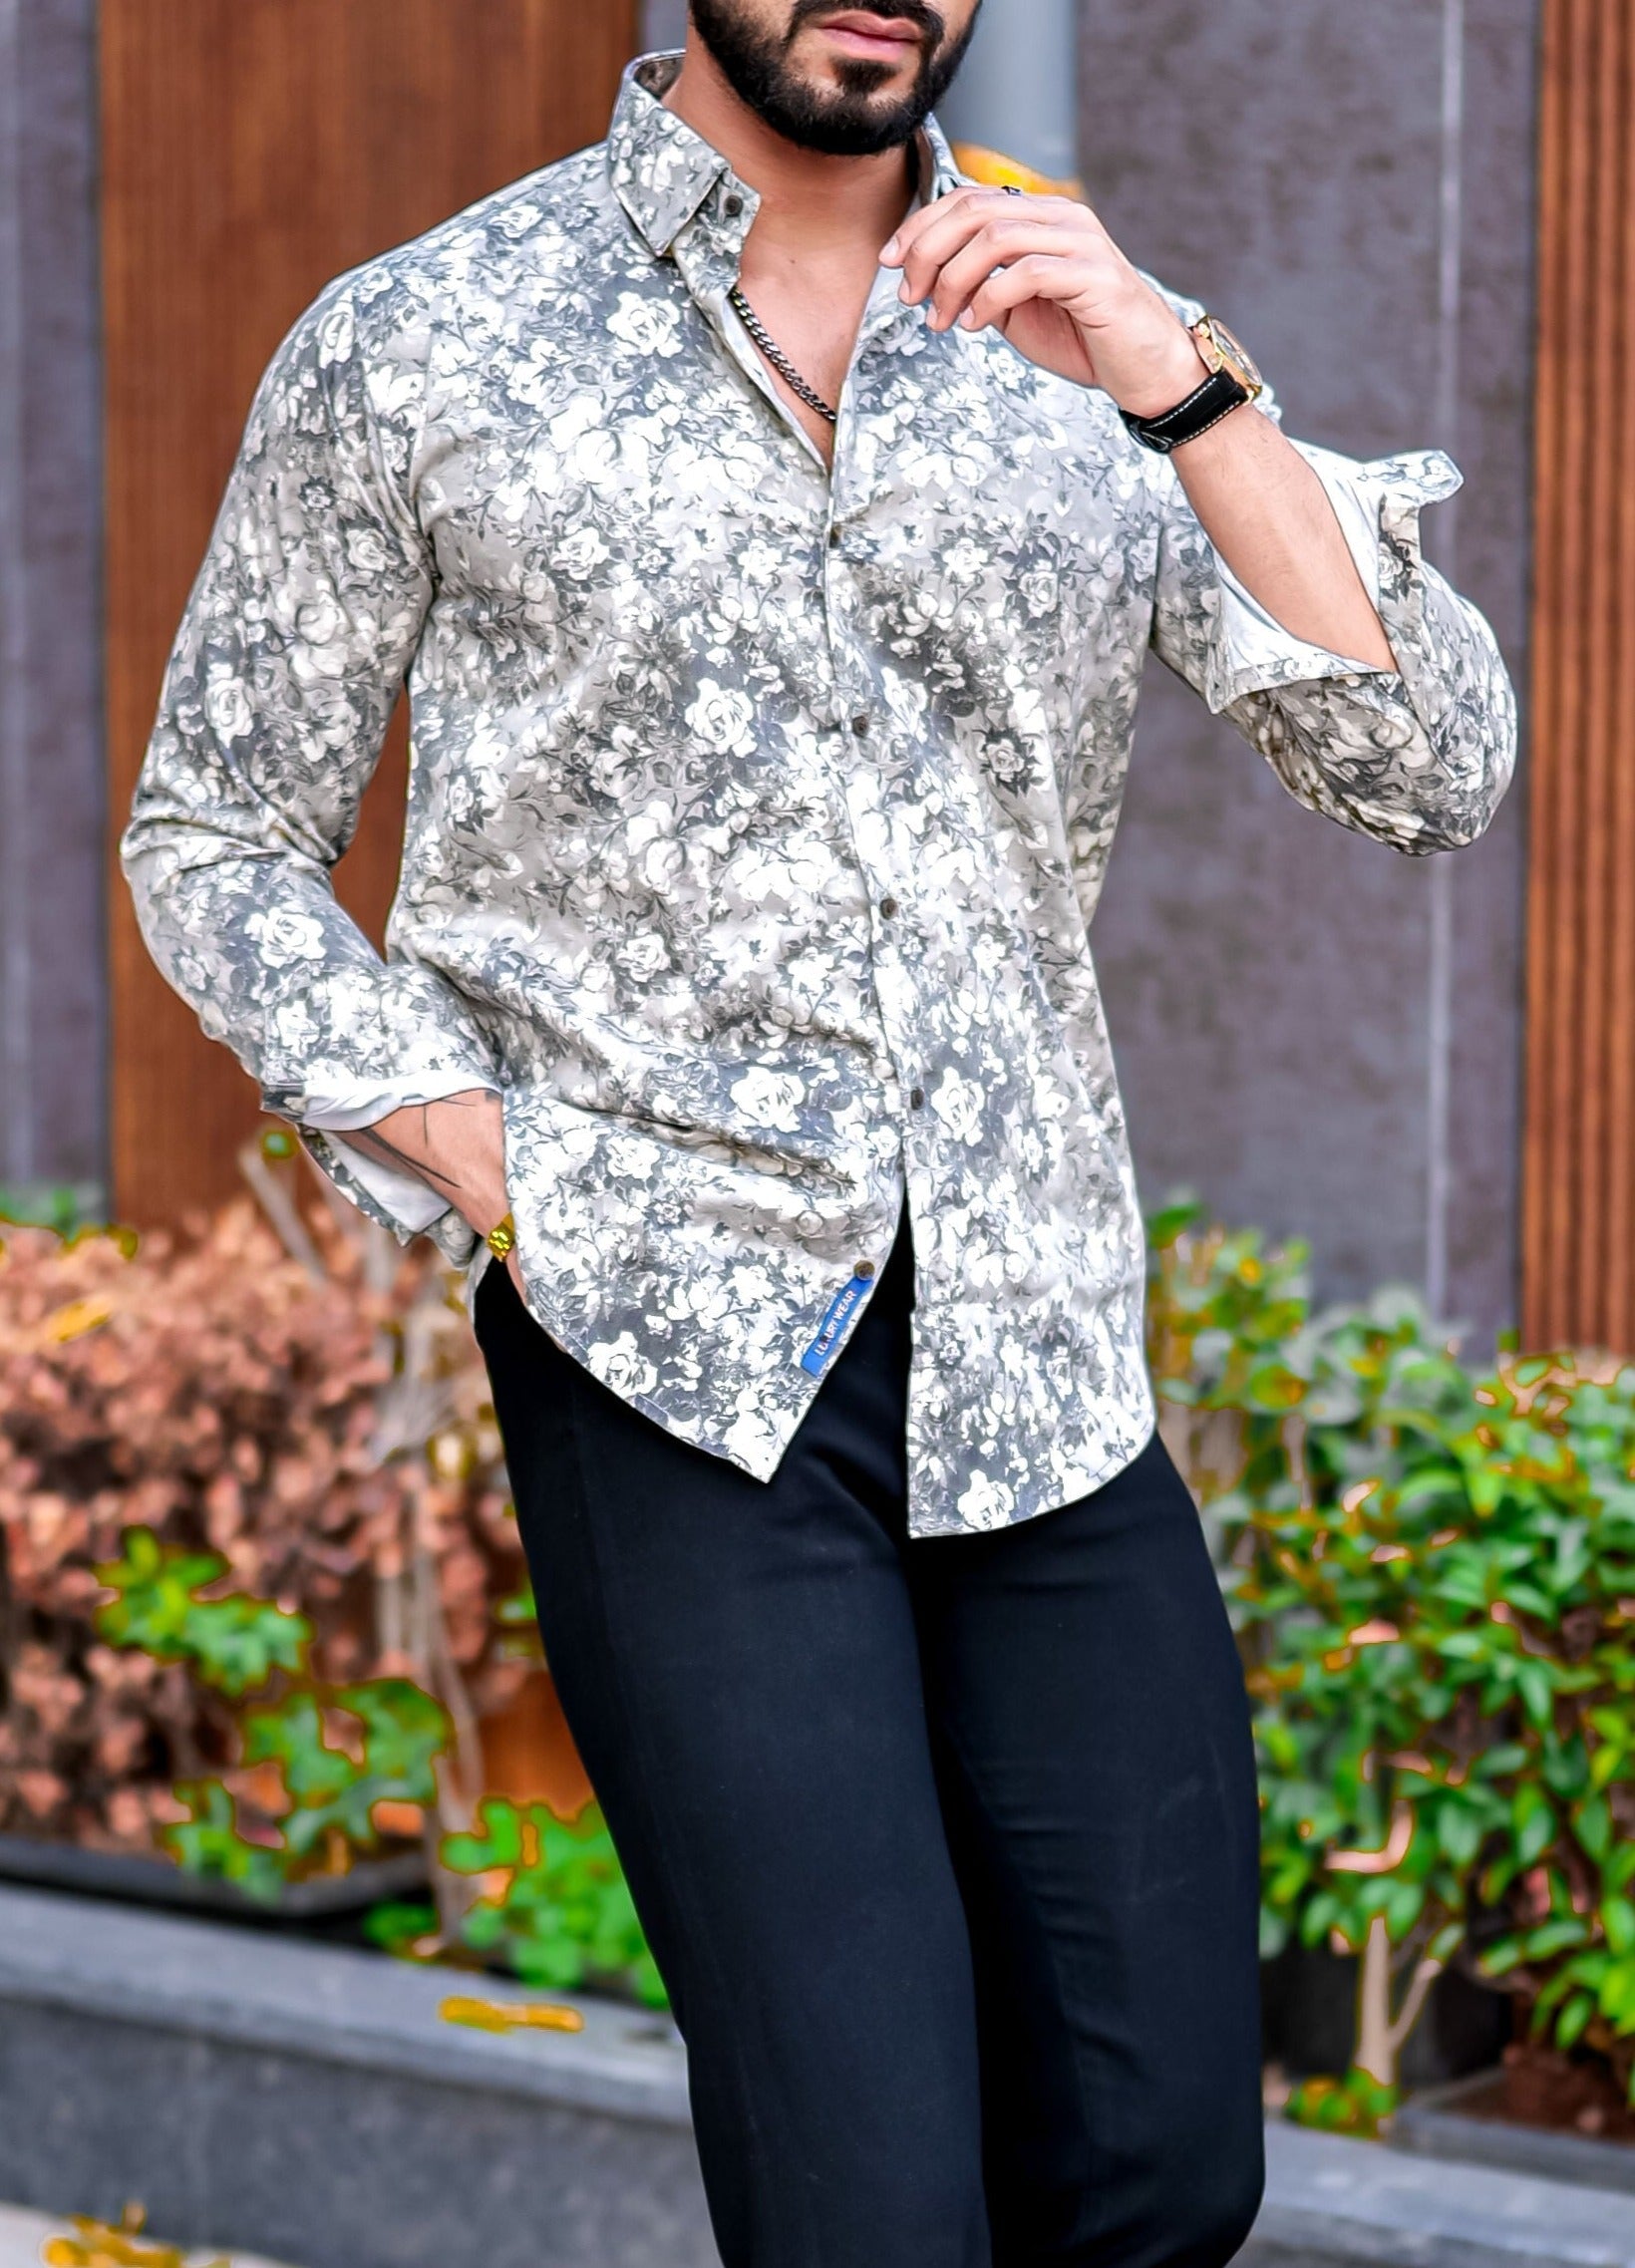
(862, 726)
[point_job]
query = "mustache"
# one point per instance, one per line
(927, 19)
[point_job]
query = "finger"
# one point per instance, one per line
(1039, 276)
(934, 216)
(997, 246)
(972, 196)
(996, 236)
(950, 224)
(925, 258)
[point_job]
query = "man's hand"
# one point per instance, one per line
(1045, 273)
(456, 1147)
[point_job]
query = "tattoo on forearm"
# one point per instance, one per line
(372, 1143)
(385, 1153)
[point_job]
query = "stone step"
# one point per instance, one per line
(269, 2097)
(1343, 2200)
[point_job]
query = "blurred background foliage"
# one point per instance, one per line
(1432, 1568)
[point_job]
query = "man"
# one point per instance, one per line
(772, 529)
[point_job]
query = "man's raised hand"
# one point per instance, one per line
(1045, 273)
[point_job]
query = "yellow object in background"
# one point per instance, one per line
(512, 2016)
(98, 2245)
(997, 172)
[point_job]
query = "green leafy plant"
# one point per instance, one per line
(1433, 1571)
(313, 1762)
(517, 1627)
(232, 1643)
(65, 1207)
(558, 1909)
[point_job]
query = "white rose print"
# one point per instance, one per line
(744, 804)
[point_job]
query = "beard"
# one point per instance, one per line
(844, 120)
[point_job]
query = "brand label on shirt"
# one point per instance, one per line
(835, 1326)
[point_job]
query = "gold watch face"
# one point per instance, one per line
(1221, 350)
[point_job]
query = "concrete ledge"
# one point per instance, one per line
(160, 1883)
(307, 2103)
(1434, 2125)
(327, 2005)
(1345, 2200)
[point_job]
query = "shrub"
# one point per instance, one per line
(1432, 1570)
(303, 1403)
(320, 1771)
(555, 1905)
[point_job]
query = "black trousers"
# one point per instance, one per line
(945, 1846)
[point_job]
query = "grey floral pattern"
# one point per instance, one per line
(756, 816)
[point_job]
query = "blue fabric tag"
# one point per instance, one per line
(834, 1325)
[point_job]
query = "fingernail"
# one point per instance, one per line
(967, 321)
(888, 252)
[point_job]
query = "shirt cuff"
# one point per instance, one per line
(1376, 505)
(401, 1203)
(399, 1192)
(410, 1203)
(361, 1039)
(358, 1042)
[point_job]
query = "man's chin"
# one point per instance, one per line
(834, 104)
(848, 121)
(848, 131)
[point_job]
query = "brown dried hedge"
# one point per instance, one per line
(307, 1403)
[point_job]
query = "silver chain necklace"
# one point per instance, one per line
(778, 358)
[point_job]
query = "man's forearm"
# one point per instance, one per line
(456, 1147)
(1270, 517)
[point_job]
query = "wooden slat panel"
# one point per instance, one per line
(252, 149)
(1579, 1197)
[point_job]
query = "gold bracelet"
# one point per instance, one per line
(501, 1239)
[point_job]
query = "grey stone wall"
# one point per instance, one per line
(1315, 1034)
(1014, 92)
(52, 990)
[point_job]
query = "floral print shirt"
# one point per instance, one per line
(756, 814)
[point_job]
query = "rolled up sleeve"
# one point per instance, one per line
(1417, 757)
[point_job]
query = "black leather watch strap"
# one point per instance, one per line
(1218, 396)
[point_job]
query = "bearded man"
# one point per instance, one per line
(771, 526)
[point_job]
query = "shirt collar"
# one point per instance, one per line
(663, 172)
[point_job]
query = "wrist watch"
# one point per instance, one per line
(1233, 380)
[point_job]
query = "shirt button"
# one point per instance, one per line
(836, 538)
(732, 208)
(859, 724)
(888, 909)
(865, 1271)
(916, 1098)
